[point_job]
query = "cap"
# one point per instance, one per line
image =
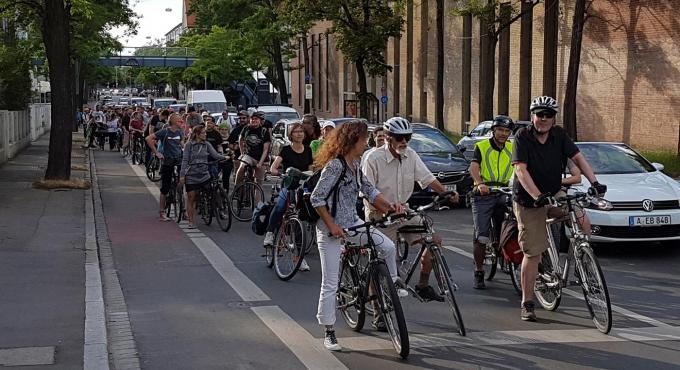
(243, 112)
(325, 124)
(259, 114)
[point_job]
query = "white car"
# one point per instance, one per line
(645, 201)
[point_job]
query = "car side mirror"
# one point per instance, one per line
(658, 166)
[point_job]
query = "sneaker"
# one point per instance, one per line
(379, 324)
(269, 239)
(163, 217)
(304, 266)
(427, 293)
(479, 280)
(528, 313)
(190, 226)
(401, 288)
(331, 342)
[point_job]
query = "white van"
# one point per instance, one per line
(211, 100)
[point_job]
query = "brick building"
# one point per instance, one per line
(630, 71)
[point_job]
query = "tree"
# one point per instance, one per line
(580, 17)
(362, 29)
(439, 92)
(494, 16)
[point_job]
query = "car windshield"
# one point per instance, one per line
(431, 141)
(608, 159)
(481, 130)
(163, 103)
(277, 116)
(212, 107)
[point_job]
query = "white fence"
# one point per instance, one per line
(19, 128)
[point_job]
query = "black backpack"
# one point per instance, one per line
(307, 211)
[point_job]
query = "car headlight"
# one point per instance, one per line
(601, 204)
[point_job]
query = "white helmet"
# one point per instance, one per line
(398, 125)
(544, 102)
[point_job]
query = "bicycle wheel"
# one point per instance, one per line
(152, 169)
(204, 206)
(490, 261)
(171, 204)
(515, 275)
(548, 287)
(447, 287)
(594, 289)
(244, 200)
(221, 210)
(180, 204)
(290, 249)
(349, 298)
(390, 305)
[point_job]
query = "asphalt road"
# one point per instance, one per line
(205, 300)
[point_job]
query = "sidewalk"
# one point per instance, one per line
(42, 259)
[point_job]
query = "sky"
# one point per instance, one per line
(155, 21)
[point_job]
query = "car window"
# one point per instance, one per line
(480, 130)
(614, 159)
(431, 141)
(277, 116)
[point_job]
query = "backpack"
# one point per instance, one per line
(509, 242)
(261, 218)
(307, 211)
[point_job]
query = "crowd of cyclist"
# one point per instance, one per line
(384, 176)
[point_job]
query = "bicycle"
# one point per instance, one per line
(552, 276)
(126, 149)
(212, 202)
(290, 241)
(492, 252)
(441, 269)
(360, 267)
(137, 149)
(174, 200)
(269, 252)
(245, 196)
(152, 168)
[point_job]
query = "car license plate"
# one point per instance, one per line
(450, 187)
(649, 220)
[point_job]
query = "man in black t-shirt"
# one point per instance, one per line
(540, 153)
(254, 143)
(236, 133)
(156, 123)
(215, 139)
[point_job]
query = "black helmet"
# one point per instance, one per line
(259, 114)
(503, 121)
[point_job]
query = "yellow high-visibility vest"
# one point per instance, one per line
(496, 166)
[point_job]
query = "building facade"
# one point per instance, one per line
(630, 69)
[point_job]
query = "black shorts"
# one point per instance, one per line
(166, 173)
(194, 187)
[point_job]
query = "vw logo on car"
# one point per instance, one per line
(648, 205)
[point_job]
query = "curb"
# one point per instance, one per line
(122, 347)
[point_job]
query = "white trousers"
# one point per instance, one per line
(329, 250)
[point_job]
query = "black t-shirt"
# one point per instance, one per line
(154, 122)
(214, 138)
(255, 138)
(125, 122)
(234, 136)
(545, 162)
(291, 158)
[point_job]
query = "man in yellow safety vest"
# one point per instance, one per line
(490, 167)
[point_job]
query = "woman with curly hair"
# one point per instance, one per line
(341, 154)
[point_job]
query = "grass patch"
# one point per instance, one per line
(453, 136)
(62, 184)
(670, 160)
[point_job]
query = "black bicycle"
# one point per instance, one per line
(360, 267)
(441, 269)
(245, 196)
(137, 144)
(174, 200)
(211, 202)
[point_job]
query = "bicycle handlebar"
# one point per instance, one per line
(440, 198)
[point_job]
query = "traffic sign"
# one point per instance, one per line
(383, 99)
(308, 91)
(308, 77)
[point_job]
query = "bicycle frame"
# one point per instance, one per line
(577, 240)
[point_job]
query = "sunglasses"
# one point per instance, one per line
(545, 114)
(401, 137)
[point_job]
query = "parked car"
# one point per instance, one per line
(163, 103)
(645, 202)
(276, 113)
(280, 135)
(443, 158)
(483, 132)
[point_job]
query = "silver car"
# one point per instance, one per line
(482, 132)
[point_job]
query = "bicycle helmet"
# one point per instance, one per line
(258, 114)
(544, 102)
(398, 125)
(503, 121)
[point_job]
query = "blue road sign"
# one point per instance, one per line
(308, 77)
(383, 99)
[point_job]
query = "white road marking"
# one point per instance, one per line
(242, 285)
(615, 308)
(309, 350)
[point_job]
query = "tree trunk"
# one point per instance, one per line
(439, 98)
(525, 50)
(280, 73)
(504, 61)
(552, 12)
(305, 52)
(363, 89)
(466, 84)
(56, 36)
(573, 69)
(487, 68)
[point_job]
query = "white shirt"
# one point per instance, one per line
(395, 177)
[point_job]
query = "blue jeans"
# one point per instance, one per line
(278, 211)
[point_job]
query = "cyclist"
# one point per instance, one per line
(312, 128)
(156, 123)
(254, 143)
(393, 169)
(194, 172)
(172, 138)
(340, 155)
(326, 129)
(490, 168)
(539, 155)
(378, 141)
(215, 139)
(233, 140)
(296, 155)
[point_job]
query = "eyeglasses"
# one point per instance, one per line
(401, 137)
(545, 114)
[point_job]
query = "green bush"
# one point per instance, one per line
(15, 80)
(453, 136)
(670, 160)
